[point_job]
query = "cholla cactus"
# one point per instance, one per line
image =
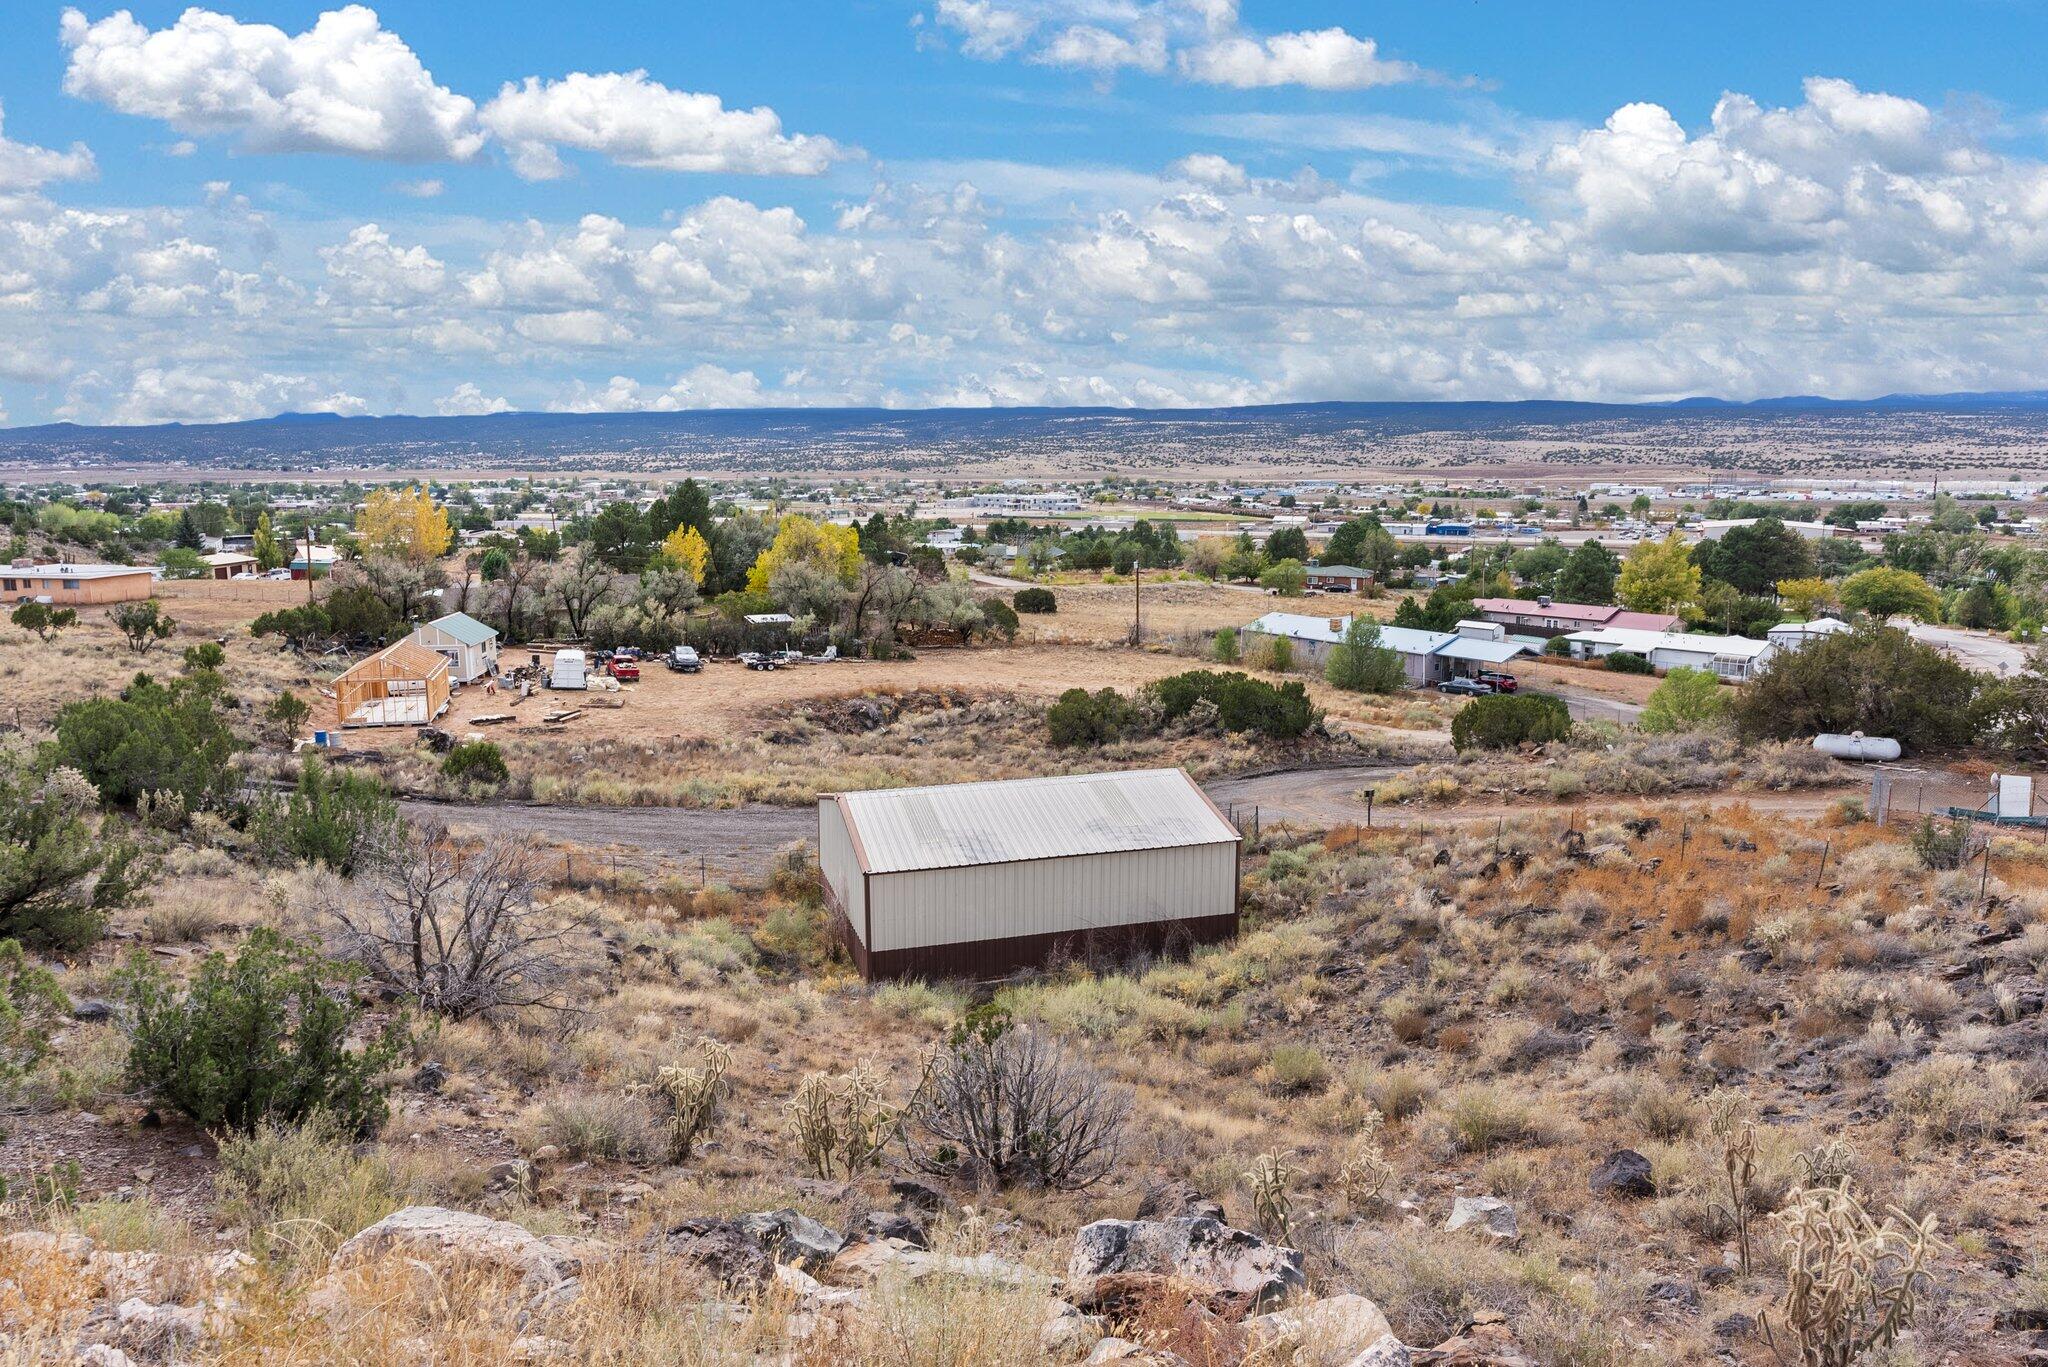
(1851, 1282)
(1269, 1178)
(1828, 1164)
(840, 1125)
(1366, 1171)
(689, 1098)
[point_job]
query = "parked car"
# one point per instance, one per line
(624, 670)
(1502, 683)
(683, 660)
(1469, 688)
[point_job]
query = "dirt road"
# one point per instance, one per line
(737, 844)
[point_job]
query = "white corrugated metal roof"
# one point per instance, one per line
(1486, 652)
(959, 824)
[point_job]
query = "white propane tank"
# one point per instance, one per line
(1856, 745)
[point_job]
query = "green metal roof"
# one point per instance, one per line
(465, 629)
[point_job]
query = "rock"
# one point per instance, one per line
(1735, 1326)
(1067, 1333)
(1206, 1253)
(537, 1348)
(547, 1153)
(1490, 1215)
(1385, 1352)
(1481, 1345)
(906, 1262)
(1680, 1295)
(791, 1236)
(1716, 1274)
(103, 1355)
(155, 1329)
(1123, 1350)
(1623, 1174)
(431, 1233)
(513, 1175)
(92, 1009)
(918, 1195)
(810, 1293)
(1327, 1333)
(430, 1077)
(880, 1224)
(1172, 1199)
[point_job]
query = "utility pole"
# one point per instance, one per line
(1137, 601)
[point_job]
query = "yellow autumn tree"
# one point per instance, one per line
(689, 550)
(799, 538)
(1659, 576)
(1807, 597)
(404, 522)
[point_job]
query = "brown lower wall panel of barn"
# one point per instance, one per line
(977, 959)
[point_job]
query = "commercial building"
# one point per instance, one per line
(70, 586)
(974, 880)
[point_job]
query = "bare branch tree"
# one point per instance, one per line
(464, 932)
(1012, 1106)
(579, 585)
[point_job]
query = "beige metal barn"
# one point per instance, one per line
(972, 880)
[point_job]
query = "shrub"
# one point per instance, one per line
(1510, 719)
(152, 739)
(1285, 577)
(1876, 680)
(301, 1189)
(1011, 1106)
(205, 655)
(259, 1037)
(1224, 648)
(461, 932)
(1242, 703)
(1360, 664)
(61, 870)
(476, 761)
(285, 714)
(1950, 1098)
(342, 820)
(1296, 1068)
(1941, 844)
(1036, 600)
(1687, 700)
(1083, 718)
(1626, 662)
(44, 620)
(998, 619)
(142, 625)
(31, 1007)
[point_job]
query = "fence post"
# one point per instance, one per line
(1818, 873)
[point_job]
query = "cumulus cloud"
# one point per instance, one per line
(25, 167)
(369, 268)
(1203, 40)
(467, 400)
(642, 123)
(177, 393)
(344, 86)
(701, 386)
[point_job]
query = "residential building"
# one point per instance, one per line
(1543, 617)
(1731, 657)
(67, 585)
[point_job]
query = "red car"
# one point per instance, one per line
(1502, 683)
(625, 671)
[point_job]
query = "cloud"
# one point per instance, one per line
(644, 124)
(701, 386)
(467, 400)
(1202, 40)
(368, 268)
(24, 167)
(427, 187)
(156, 393)
(344, 86)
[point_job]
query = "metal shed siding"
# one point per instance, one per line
(840, 866)
(1052, 896)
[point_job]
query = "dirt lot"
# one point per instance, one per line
(1550, 674)
(219, 605)
(1175, 608)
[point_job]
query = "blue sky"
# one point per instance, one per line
(414, 207)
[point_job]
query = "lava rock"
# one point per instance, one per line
(1624, 1174)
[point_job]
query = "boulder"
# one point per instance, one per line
(432, 1234)
(1384, 1352)
(1123, 1350)
(1623, 1174)
(1068, 1334)
(514, 1175)
(864, 1262)
(919, 1196)
(881, 1224)
(1480, 1345)
(793, 1237)
(91, 1009)
(1173, 1198)
(1205, 1253)
(1331, 1332)
(1489, 1215)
